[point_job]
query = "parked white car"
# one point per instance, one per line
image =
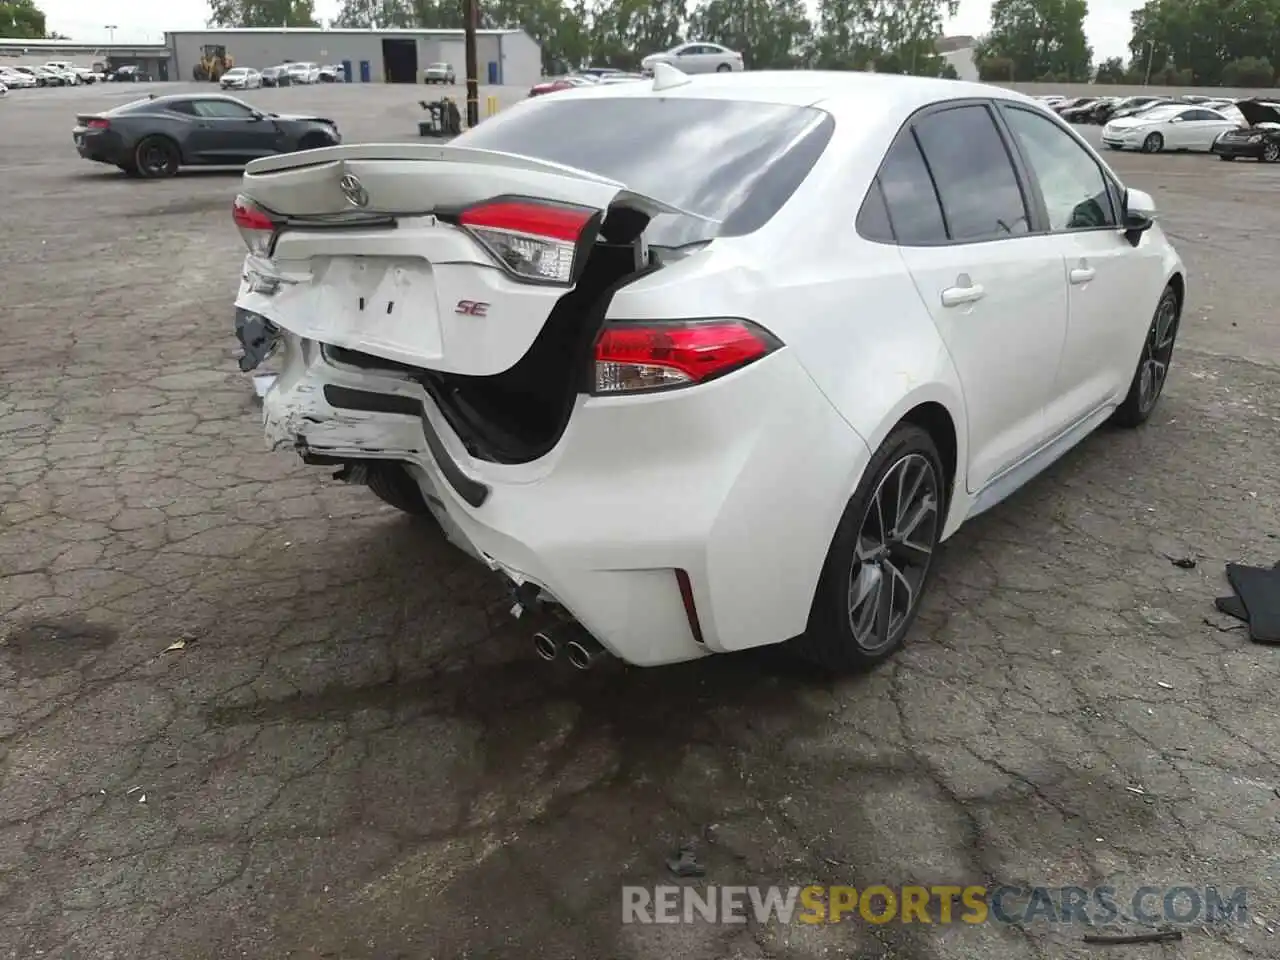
(16, 79)
(698, 407)
(696, 57)
(304, 72)
(1168, 127)
(66, 69)
(241, 78)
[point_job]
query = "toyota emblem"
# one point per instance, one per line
(354, 191)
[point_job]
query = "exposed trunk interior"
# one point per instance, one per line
(520, 414)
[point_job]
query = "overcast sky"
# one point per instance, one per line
(144, 21)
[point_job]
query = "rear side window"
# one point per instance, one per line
(909, 195)
(734, 162)
(974, 175)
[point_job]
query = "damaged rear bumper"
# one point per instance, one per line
(642, 499)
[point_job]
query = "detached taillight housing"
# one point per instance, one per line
(257, 226)
(535, 240)
(636, 356)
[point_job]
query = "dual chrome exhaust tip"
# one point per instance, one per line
(581, 649)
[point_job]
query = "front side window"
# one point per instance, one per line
(974, 175)
(1074, 188)
(222, 110)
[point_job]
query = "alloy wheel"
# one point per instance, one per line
(896, 541)
(1271, 152)
(1158, 352)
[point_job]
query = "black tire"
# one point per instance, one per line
(831, 640)
(1223, 156)
(1153, 364)
(723, 68)
(1154, 143)
(391, 483)
(156, 158)
(1270, 152)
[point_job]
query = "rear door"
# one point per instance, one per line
(1081, 204)
(996, 291)
(1204, 126)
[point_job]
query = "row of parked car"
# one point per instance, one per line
(62, 73)
(284, 75)
(581, 78)
(1229, 128)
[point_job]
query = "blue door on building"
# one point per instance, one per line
(365, 72)
(493, 72)
(346, 71)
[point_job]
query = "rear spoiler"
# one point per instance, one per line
(329, 165)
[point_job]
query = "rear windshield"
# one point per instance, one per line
(733, 162)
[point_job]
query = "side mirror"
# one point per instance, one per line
(1138, 215)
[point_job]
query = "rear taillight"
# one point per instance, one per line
(256, 225)
(97, 123)
(535, 240)
(635, 356)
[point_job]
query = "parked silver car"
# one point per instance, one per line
(696, 57)
(439, 73)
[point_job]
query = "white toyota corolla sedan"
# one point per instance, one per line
(707, 363)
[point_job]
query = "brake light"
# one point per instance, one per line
(98, 123)
(638, 356)
(535, 240)
(256, 226)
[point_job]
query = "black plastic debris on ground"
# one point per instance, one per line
(685, 862)
(1256, 600)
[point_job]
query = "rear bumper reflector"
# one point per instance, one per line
(690, 608)
(472, 491)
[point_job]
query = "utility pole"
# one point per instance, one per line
(471, 16)
(111, 32)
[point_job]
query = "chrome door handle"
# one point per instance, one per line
(1082, 274)
(957, 296)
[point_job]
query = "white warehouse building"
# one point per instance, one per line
(504, 57)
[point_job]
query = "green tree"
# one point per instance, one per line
(1249, 72)
(1040, 37)
(1203, 36)
(262, 13)
(893, 36)
(21, 19)
(770, 34)
(560, 30)
(996, 69)
(1110, 70)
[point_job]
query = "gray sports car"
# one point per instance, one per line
(156, 136)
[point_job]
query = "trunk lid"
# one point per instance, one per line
(373, 253)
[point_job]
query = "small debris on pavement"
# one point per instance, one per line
(176, 645)
(685, 863)
(1164, 685)
(1138, 790)
(143, 798)
(1183, 563)
(131, 791)
(1155, 936)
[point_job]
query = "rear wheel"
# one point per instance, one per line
(881, 558)
(1270, 152)
(1153, 144)
(392, 484)
(156, 157)
(1153, 366)
(723, 68)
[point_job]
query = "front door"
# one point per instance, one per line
(228, 132)
(996, 293)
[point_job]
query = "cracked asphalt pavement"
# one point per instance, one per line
(353, 752)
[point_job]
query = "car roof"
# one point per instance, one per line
(839, 92)
(171, 98)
